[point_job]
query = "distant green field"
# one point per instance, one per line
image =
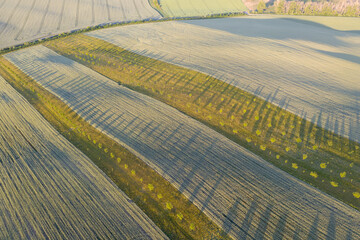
(187, 8)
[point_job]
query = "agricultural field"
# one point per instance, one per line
(349, 24)
(190, 8)
(49, 189)
(223, 179)
(284, 139)
(298, 64)
(22, 21)
(160, 201)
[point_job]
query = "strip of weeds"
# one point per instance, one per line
(311, 153)
(177, 217)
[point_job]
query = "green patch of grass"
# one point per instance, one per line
(280, 137)
(165, 205)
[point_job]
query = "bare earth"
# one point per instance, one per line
(241, 192)
(297, 63)
(24, 20)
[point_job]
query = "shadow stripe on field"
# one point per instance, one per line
(311, 71)
(51, 190)
(241, 192)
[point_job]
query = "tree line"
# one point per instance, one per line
(323, 8)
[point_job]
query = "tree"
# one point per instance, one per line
(327, 10)
(292, 8)
(351, 11)
(299, 8)
(280, 7)
(308, 9)
(261, 7)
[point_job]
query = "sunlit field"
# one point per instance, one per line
(308, 69)
(187, 8)
(169, 119)
(100, 104)
(50, 189)
(22, 21)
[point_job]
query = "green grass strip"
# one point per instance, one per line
(319, 157)
(165, 205)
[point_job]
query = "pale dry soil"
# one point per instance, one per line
(297, 63)
(240, 191)
(50, 190)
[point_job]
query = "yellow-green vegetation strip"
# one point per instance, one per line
(321, 158)
(177, 217)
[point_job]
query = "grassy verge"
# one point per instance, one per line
(321, 158)
(167, 207)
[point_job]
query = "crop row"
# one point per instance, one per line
(27, 20)
(221, 178)
(49, 189)
(173, 213)
(309, 152)
(248, 54)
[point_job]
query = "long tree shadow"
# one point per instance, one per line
(313, 232)
(331, 230)
(192, 174)
(280, 227)
(211, 193)
(264, 221)
(230, 217)
(349, 235)
(319, 130)
(246, 224)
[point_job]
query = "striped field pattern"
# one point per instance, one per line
(25, 20)
(296, 63)
(242, 193)
(50, 190)
(187, 8)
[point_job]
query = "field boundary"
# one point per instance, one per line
(310, 153)
(170, 210)
(109, 25)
